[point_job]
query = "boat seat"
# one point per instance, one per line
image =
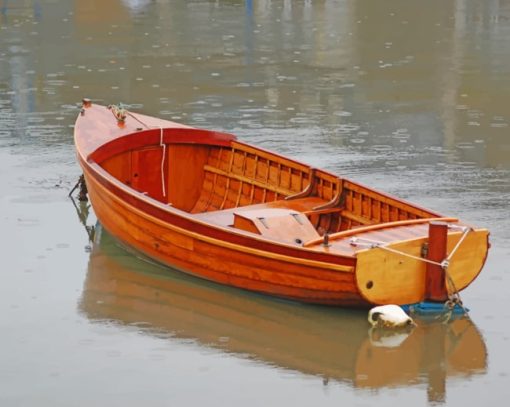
(284, 225)
(226, 217)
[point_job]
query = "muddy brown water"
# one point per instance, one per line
(407, 96)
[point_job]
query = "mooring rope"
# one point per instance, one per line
(163, 145)
(464, 235)
(373, 244)
(138, 120)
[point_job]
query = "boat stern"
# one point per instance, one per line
(401, 272)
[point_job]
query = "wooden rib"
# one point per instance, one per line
(243, 172)
(279, 176)
(336, 220)
(227, 186)
(268, 173)
(252, 192)
(358, 208)
(396, 212)
(350, 205)
(328, 222)
(379, 226)
(378, 203)
(369, 209)
(264, 186)
(228, 174)
(309, 188)
(355, 205)
(320, 188)
(239, 193)
(215, 179)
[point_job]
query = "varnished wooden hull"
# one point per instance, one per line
(225, 211)
(217, 260)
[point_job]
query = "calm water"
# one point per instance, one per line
(409, 96)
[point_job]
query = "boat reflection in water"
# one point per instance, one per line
(331, 343)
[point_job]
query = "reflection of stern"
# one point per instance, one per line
(433, 351)
(322, 341)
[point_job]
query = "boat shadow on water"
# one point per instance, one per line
(331, 343)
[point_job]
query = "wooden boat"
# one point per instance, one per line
(330, 343)
(218, 208)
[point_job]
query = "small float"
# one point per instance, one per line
(210, 205)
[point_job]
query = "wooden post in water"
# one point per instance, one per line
(435, 281)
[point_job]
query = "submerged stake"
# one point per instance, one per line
(82, 196)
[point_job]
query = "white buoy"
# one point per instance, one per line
(389, 316)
